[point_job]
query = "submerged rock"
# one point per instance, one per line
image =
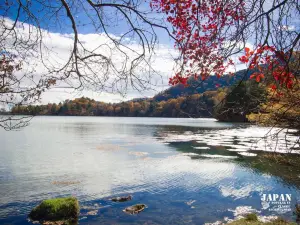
(56, 211)
(122, 199)
(135, 209)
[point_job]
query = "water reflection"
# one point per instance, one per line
(163, 163)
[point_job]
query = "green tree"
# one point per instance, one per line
(242, 99)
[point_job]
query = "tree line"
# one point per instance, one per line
(246, 101)
(184, 106)
(241, 100)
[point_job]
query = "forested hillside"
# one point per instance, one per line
(235, 101)
(197, 105)
(196, 100)
(199, 99)
(211, 83)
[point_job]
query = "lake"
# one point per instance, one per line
(187, 171)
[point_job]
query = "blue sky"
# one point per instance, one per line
(63, 24)
(59, 39)
(59, 27)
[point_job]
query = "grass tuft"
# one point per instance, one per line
(251, 217)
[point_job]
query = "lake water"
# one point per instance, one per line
(187, 171)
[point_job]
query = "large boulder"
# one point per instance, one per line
(61, 210)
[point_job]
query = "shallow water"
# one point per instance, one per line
(187, 171)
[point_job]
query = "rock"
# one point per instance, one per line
(122, 199)
(56, 211)
(135, 209)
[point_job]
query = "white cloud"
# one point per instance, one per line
(250, 138)
(56, 50)
(242, 191)
(287, 28)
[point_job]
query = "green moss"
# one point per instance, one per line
(58, 209)
(251, 217)
(254, 221)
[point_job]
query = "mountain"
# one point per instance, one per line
(196, 100)
(212, 83)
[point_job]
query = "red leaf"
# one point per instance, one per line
(274, 87)
(247, 50)
(257, 79)
(252, 76)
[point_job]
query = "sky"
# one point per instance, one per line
(58, 39)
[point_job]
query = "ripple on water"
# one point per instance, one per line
(167, 182)
(201, 147)
(219, 156)
(242, 139)
(247, 154)
(158, 176)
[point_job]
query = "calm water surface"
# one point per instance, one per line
(187, 171)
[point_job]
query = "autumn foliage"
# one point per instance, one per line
(198, 31)
(266, 58)
(209, 34)
(204, 30)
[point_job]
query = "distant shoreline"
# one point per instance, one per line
(10, 114)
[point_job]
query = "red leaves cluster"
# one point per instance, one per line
(178, 79)
(197, 27)
(283, 77)
(257, 76)
(273, 61)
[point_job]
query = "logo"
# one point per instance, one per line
(280, 203)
